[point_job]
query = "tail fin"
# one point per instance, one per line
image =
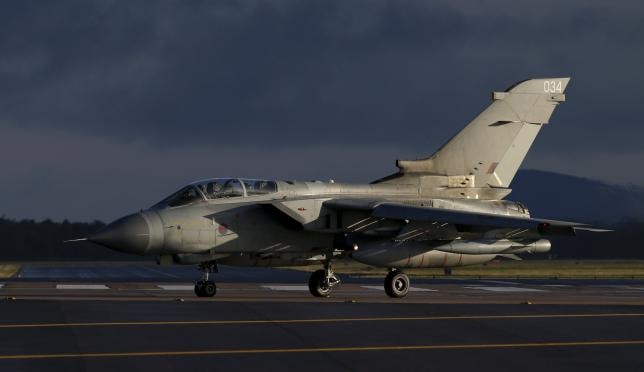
(493, 145)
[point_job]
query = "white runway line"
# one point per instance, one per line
(81, 286)
(411, 289)
(557, 285)
(286, 287)
(176, 287)
(500, 282)
(627, 287)
(506, 289)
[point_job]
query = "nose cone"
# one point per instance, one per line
(130, 234)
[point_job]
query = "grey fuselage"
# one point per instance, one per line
(293, 226)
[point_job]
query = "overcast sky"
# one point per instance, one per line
(107, 106)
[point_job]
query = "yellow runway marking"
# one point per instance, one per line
(323, 320)
(323, 350)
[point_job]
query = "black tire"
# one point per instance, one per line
(199, 288)
(317, 286)
(209, 289)
(396, 284)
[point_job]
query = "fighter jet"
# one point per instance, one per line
(445, 210)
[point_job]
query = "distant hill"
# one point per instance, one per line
(555, 195)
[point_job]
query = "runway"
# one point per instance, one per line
(149, 282)
(103, 324)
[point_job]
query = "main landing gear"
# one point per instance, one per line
(396, 284)
(206, 287)
(322, 282)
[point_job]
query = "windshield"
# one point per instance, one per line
(186, 195)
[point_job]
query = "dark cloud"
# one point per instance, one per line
(222, 71)
(265, 76)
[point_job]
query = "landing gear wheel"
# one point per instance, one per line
(205, 288)
(396, 284)
(318, 285)
(199, 288)
(209, 289)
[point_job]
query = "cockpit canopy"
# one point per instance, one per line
(218, 188)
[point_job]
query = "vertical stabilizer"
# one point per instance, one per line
(493, 145)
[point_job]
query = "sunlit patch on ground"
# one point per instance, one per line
(8, 270)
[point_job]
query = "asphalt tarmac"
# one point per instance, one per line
(84, 320)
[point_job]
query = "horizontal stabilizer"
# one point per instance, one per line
(417, 214)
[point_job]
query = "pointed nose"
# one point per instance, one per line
(129, 234)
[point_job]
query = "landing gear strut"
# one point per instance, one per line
(206, 287)
(322, 282)
(396, 284)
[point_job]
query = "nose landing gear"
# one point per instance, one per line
(206, 287)
(322, 282)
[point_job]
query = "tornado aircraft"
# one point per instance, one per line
(442, 211)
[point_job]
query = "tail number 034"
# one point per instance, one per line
(552, 86)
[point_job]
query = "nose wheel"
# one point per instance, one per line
(322, 282)
(206, 287)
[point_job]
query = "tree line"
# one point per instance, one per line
(44, 240)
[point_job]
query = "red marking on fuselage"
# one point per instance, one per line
(422, 259)
(223, 229)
